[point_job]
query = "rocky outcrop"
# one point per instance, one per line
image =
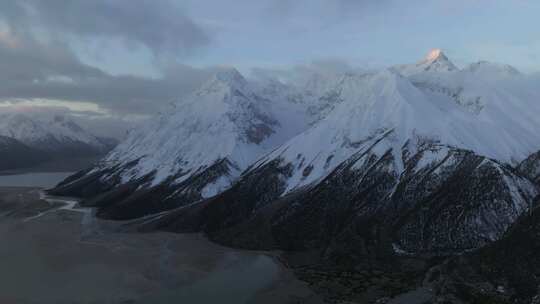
(457, 202)
(530, 167)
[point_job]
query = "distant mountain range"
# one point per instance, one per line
(14, 154)
(417, 160)
(28, 141)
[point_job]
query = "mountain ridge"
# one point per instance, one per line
(52, 135)
(40, 140)
(400, 170)
(402, 137)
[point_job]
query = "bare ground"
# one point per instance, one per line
(71, 257)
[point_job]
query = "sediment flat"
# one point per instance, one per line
(58, 256)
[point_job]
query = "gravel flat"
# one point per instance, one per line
(53, 255)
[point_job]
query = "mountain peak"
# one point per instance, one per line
(46, 133)
(225, 78)
(436, 60)
(492, 69)
(435, 54)
(230, 76)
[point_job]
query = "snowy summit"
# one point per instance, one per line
(385, 143)
(435, 54)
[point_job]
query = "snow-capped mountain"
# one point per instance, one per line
(224, 121)
(202, 144)
(486, 69)
(57, 135)
(398, 153)
(420, 158)
(387, 105)
(434, 62)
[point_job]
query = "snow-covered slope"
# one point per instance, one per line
(224, 119)
(389, 105)
(56, 135)
(399, 151)
(201, 145)
(487, 70)
(317, 96)
(434, 62)
(390, 146)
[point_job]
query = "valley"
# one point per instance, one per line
(60, 255)
(369, 182)
(270, 151)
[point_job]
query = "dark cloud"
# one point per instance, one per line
(322, 9)
(49, 69)
(120, 94)
(24, 59)
(37, 61)
(158, 25)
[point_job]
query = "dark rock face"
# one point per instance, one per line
(223, 215)
(514, 262)
(444, 201)
(505, 271)
(531, 167)
(363, 216)
(117, 200)
(87, 184)
(456, 202)
(14, 154)
(342, 234)
(471, 203)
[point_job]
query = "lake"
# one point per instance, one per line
(37, 180)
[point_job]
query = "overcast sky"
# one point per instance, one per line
(112, 61)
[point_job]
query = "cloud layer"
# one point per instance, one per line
(158, 25)
(37, 59)
(46, 46)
